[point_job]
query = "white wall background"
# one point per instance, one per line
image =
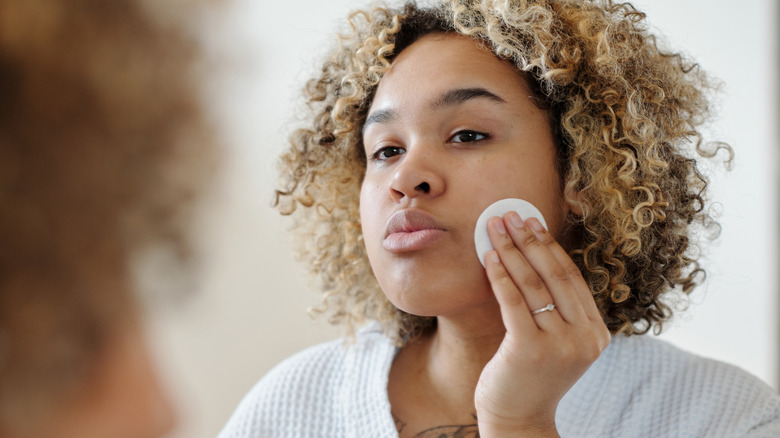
(251, 312)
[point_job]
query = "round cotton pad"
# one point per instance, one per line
(499, 208)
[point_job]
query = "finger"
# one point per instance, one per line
(514, 309)
(572, 270)
(580, 289)
(534, 245)
(522, 273)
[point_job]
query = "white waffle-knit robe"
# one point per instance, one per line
(639, 387)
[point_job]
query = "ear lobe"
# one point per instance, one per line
(573, 203)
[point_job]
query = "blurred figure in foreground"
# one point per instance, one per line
(103, 152)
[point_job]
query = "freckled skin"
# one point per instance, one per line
(517, 160)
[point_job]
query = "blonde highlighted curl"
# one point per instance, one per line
(626, 117)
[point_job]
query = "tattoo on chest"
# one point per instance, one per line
(448, 431)
(461, 431)
(399, 424)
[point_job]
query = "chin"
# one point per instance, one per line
(454, 294)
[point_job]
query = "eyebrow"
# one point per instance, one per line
(380, 116)
(461, 95)
(450, 98)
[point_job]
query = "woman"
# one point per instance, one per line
(103, 151)
(424, 117)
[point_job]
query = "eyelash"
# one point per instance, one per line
(377, 156)
(484, 136)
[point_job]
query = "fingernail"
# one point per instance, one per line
(536, 225)
(493, 257)
(499, 224)
(516, 220)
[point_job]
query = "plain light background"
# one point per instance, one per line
(251, 310)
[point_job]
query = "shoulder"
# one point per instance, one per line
(679, 373)
(646, 384)
(308, 392)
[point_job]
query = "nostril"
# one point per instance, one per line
(423, 187)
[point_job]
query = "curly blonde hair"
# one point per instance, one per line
(626, 117)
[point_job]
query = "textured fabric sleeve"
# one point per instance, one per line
(294, 398)
(643, 387)
(332, 390)
(764, 421)
(731, 402)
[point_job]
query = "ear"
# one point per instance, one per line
(573, 202)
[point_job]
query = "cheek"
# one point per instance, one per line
(365, 210)
(369, 211)
(540, 189)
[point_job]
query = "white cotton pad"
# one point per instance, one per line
(499, 208)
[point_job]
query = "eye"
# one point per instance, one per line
(386, 153)
(468, 136)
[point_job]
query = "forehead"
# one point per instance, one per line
(439, 62)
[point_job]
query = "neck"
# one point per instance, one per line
(444, 364)
(462, 345)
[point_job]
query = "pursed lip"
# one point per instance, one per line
(411, 230)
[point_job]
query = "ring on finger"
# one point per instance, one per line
(548, 308)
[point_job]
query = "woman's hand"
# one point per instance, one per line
(543, 354)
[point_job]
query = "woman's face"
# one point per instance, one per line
(451, 130)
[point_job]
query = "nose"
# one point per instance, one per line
(419, 174)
